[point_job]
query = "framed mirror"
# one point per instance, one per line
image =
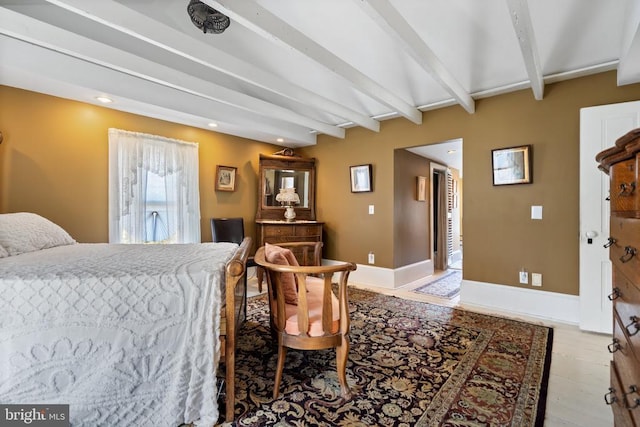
(286, 172)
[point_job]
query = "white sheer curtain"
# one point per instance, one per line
(132, 157)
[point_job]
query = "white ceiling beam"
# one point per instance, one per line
(521, 19)
(266, 24)
(548, 79)
(37, 82)
(629, 66)
(390, 20)
(128, 21)
(123, 87)
(42, 34)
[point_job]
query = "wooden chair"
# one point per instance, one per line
(318, 319)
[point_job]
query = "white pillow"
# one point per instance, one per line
(27, 232)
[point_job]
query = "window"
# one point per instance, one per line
(153, 189)
(157, 209)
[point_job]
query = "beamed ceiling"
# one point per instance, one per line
(293, 69)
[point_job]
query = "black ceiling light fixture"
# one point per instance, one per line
(207, 18)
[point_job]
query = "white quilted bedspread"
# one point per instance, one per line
(127, 335)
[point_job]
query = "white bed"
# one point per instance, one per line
(124, 334)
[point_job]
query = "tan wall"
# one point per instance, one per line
(499, 236)
(54, 162)
(411, 217)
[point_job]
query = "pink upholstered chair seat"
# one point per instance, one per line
(315, 289)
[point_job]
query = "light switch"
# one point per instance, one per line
(536, 212)
(371, 209)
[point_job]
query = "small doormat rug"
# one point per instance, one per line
(447, 286)
(410, 364)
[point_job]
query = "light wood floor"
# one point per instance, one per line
(579, 376)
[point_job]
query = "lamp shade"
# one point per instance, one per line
(288, 196)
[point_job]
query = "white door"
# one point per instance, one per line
(599, 128)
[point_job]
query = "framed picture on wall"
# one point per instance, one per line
(511, 165)
(225, 178)
(421, 188)
(361, 178)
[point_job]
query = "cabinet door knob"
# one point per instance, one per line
(614, 346)
(634, 323)
(629, 252)
(610, 397)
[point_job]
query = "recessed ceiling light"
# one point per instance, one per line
(280, 139)
(213, 125)
(104, 99)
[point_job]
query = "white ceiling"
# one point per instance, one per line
(447, 153)
(292, 69)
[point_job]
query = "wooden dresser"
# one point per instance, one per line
(280, 171)
(273, 231)
(622, 163)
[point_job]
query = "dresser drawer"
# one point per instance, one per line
(629, 385)
(275, 232)
(627, 307)
(289, 239)
(625, 252)
(615, 397)
(311, 231)
(620, 346)
(624, 191)
(279, 231)
(625, 355)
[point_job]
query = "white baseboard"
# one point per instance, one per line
(522, 301)
(412, 273)
(499, 299)
(386, 277)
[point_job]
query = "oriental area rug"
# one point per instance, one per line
(410, 364)
(446, 286)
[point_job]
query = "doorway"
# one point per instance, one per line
(445, 161)
(441, 218)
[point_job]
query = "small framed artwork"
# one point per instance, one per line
(361, 178)
(421, 188)
(225, 178)
(512, 165)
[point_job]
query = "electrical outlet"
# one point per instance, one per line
(372, 258)
(536, 279)
(524, 278)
